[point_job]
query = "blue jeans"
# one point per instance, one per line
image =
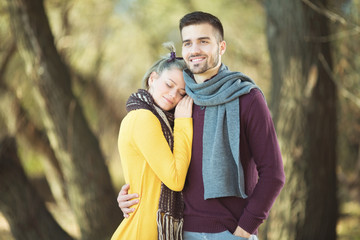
(226, 235)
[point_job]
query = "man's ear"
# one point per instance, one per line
(222, 48)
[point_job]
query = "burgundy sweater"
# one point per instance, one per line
(263, 168)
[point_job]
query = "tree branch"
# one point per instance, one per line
(347, 94)
(327, 13)
(8, 55)
(334, 18)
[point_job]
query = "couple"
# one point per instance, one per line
(236, 171)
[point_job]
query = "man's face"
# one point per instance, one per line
(201, 49)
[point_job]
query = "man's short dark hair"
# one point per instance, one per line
(199, 17)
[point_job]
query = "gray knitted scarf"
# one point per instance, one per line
(222, 170)
(171, 204)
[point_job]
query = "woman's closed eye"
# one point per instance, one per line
(169, 84)
(182, 93)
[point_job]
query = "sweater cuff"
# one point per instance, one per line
(183, 122)
(249, 223)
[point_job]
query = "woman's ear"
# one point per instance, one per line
(153, 76)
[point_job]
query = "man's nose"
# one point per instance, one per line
(195, 48)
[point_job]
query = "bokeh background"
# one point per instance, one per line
(68, 67)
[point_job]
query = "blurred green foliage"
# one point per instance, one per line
(113, 42)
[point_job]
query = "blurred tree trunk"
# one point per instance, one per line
(18, 124)
(26, 129)
(20, 203)
(304, 100)
(90, 191)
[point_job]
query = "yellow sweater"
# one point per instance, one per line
(147, 161)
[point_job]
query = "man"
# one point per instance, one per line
(236, 170)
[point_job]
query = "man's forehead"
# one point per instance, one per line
(198, 31)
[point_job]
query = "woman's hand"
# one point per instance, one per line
(184, 108)
(126, 200)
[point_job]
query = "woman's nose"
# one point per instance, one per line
(173, 93)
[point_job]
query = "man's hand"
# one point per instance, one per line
(126, 200)
(241, 232)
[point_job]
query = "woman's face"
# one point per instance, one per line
(168, 88)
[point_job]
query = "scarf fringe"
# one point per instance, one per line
(169, 216)
(169, 228)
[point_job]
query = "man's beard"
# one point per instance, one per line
(198, 69)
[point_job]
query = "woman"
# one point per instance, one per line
(154, 156)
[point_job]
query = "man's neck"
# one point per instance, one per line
(202, 77)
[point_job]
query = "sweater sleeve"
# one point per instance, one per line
(263, 143)
(170, 167)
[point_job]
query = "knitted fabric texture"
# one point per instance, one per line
(171, 204)
(222, 171)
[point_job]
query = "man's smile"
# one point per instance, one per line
(196, 59)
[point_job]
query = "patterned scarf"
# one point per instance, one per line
(171, 205)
